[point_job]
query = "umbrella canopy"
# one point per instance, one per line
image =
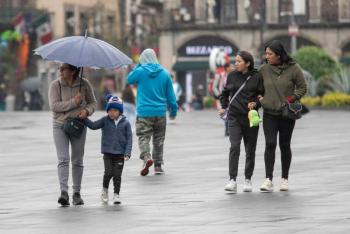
(83, 51)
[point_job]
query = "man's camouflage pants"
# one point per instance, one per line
(147, 128)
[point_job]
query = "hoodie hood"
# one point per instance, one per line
(152, 69)
(148, 56)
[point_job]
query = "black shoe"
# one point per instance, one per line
(158, 170)
(64, 199)
(77, 199)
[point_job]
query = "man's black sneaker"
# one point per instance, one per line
(64, 199)
(158, 170)
(77, 199)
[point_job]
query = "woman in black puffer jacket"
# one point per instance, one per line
(238, 122)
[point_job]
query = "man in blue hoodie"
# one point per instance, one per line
(154, 94)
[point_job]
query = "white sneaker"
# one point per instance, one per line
(231, 186)
(267, 186)
(104, 195)
(247, 186)
(284, 185)
(116, 199)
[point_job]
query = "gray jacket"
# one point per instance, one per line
(61, 99)
(115, 139)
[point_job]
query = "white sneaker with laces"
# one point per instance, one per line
(116, 199)
(284, 185)
(231, 186)
(104, 195)
(247, 186)
(267, 186)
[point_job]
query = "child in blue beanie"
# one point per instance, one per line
(116, 144)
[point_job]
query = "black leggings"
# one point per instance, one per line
(274, 124)
(114, 165)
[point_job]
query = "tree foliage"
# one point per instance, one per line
(316, 61)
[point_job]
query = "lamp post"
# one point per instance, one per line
(293, 29)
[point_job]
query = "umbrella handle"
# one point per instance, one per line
(81, 78)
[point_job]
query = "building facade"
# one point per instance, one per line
(193, 27)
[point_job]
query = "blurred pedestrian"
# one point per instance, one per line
(177, 90)
(116, 144)
(3, 96)
(283, 80)
(154, 93)
(197, 99)
(129, 104)
(70, 97)
(36, 101)
(244, 85)
(108, 86)
(229, 67)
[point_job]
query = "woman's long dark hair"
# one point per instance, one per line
(277, 47)
(247, 58)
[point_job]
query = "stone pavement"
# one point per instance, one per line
(189, 198)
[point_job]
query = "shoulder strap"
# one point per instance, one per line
(59, 84)
(238, 91)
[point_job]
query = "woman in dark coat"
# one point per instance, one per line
(283, 82)
(238, 123)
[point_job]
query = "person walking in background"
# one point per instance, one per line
(177, 90)
(228, 69)
(129, 104)
(154, 93)
(244, 85)
(116, 144)
(108, 86)
(283, 80)
(70, 97)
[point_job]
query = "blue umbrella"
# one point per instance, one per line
(83, 51)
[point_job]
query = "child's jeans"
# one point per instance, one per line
(114, 164)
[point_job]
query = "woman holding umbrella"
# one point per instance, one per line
(70, 97)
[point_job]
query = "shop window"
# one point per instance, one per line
(314, 11)
(344, 10)
(329, 11)
(84, 23)
(293, 7)
(69, 22)
(228, 11)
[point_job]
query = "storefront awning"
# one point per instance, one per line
(191, 65)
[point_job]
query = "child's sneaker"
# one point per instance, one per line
(116, 199)
(284, 185)
(231, 186)
(146, 165)
(247, 186)
(267, 186)
(158, 170)
(104, 195)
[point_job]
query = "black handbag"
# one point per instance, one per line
(289, 110)
(292, 110)
(73, 127)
